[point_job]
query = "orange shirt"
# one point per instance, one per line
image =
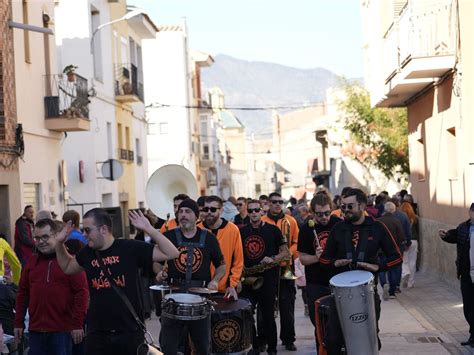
(294, 230)
(169, 225)
(231, 247)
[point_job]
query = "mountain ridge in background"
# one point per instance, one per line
(263, 84)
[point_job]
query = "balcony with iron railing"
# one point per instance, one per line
(66, 103)
(128, 83)
(418, 48)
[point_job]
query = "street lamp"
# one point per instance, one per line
(125, 17)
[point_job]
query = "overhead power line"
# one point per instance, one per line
(239, 108)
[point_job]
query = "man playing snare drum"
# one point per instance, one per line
(354, 243)
(190, 272)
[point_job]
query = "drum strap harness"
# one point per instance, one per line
(190, 249)
(359, 253)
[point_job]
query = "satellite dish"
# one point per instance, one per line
(112, 169)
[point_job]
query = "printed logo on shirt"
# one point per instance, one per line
(254, 246)
(355, 239)
(180, 261)
(103, 281)
(323, 238)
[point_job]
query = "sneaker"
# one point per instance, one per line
(405, 280)
(385, 292)
(392, 297)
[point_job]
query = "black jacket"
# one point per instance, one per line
(460, 237)
(377, 237)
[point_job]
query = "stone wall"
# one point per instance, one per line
(437, 257)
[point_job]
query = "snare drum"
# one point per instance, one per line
(231, 326)
(184, 306)
(354, 297)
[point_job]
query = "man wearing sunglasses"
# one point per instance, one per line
(111, 327)
(228, 235)
(286, 299)
(355, 244)
(57, 303)
(311, 243)
(242, 219)
(263, 244)
(173, 222)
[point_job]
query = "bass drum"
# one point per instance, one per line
(231, 326)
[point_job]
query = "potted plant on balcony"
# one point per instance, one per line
(70, 71)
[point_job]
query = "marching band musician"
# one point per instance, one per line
(355, 244)
(311, 243)
(228, 236)
(173, 223)
(191, 272)
(289, 228)
(263, 244)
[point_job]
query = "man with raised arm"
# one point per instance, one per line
(111, 327)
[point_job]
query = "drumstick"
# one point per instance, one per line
(316, 237)
(311, 224)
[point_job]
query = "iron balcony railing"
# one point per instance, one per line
(66, 96)
(128, 80)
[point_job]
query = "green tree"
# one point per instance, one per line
(381, 135)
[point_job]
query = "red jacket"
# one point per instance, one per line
(56, 302)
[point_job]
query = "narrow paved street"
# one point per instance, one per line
(427, 319)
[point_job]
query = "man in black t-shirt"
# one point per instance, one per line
(311, 243)
(242, 219)
(111, 327)
(190, 272)
(263, 244)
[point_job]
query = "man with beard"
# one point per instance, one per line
(111, 327)
(286, 298)
(198, 249)
(355, 243)
(242, 219)
(173, 223)
(263, 244)
(228, 236)
(311, 243)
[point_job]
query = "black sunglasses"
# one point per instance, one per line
(239, 204)
(277, 201)
(251, 210)
(212, 209)
(325, 213)
(41, 238)
(349, 206)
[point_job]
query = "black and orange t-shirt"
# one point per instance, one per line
(202, 257)
(260, 242)
(122, 259)
(307, 244)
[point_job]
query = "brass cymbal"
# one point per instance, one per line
(164, 288)
(202, 290)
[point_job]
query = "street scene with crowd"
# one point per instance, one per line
(236, 177)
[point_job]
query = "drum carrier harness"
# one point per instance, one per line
(190, 253)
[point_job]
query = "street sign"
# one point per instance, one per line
(112, 169)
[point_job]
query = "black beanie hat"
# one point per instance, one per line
(189, 203)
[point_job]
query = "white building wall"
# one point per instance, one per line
(168, 80)
(73, 40)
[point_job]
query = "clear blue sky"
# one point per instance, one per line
(298, 33)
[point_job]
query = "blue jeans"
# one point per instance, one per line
(394, 278)
(50, 343)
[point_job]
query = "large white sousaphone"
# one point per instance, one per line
(164, 184)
